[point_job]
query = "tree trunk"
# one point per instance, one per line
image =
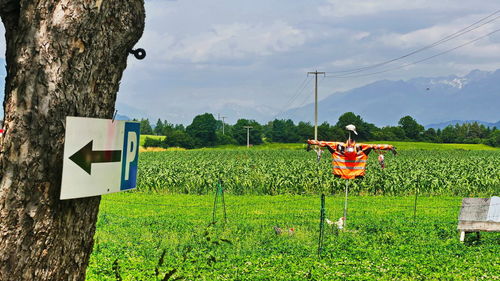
(64, 58)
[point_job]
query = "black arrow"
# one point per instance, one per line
(86, 156)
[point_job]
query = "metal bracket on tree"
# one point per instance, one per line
(138, 53)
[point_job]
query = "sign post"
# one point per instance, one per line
(100, 157)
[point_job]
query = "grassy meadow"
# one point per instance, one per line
(165, 229)
(383, 241)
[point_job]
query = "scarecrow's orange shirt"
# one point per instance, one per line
(349, 165)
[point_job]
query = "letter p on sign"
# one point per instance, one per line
(131, 152)
(130, 155)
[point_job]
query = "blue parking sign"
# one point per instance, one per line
(130, 155)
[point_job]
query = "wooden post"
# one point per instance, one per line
(417, 183)
(215, 203)
(415, 206)
(223, 200)
(219, 192)
(345, 203)
(321, 225)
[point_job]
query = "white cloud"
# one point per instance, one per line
(484, 50)
(228, 42)
(343, 8)
(360, 35)
(207, 54)
(423, 37)
(156, 43)
(343, 63)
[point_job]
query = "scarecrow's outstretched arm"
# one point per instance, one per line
(368, 147)
(330, 145)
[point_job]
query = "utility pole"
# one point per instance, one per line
(316, 102)
(223, 117)
(218, 119)
(248, 134)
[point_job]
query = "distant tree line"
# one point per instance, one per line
(206, 131)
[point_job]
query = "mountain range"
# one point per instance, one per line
(443, 125)
(431, 100)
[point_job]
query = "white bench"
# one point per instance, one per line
(479, 214)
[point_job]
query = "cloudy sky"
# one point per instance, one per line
(217, 56)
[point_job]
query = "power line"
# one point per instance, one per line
(309, 94)
(418, 61)
(304, 101)
(447, 38)
(297, 93)
(348, 73)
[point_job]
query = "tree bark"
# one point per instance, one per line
(64, 58)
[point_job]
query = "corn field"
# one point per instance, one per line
(273, 172)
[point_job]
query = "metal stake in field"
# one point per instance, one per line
(219, 192)
(415, 206)
(321, 225)
(417, 183)
(248, 134)
(345, 202)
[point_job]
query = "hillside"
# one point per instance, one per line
(428, 100)
(443, 125)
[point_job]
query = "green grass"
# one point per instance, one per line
(143, 138)
(382, 242)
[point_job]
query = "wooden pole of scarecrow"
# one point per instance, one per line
(345, 202)
(346, 186)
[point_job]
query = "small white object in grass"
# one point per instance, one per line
(340, 223)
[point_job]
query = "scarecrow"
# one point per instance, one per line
(349, 159)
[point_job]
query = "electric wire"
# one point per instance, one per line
(347, 73)
(304, 101)
(445, 39)
(298, 92)
(418, 61)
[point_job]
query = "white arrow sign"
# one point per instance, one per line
(100, 157)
